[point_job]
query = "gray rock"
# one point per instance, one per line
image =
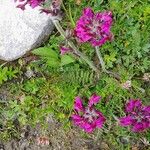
(21, 31)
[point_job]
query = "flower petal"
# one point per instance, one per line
(146, 124)
(146, 112)
(87, 127)
(77, 120)
(139, 127)
(132, 105)
(100, 121)
(146, 108)
(126, 121)
(88, 12)
(94, 99)
(107, 17)
(94, 28)
(78, 106)
(32, 3)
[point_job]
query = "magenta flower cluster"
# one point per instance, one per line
(88, 118)
(94, 28)
(32, 3)
(91, 27)
(137, 116)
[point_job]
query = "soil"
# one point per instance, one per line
(55, 138)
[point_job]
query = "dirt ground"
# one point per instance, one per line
(55, 138)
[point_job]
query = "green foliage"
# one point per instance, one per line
(52, 58)
(33, 85)
(59, 78)
(7, 73)
(130, 44)
(45, 52)
(66, 59)
(74, 75)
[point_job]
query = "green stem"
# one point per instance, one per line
(71, 44)
(70, 15)
(100, 58)
(103, 64)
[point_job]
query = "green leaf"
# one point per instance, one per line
(45, 52)
(146, 47)
(66, 59)
(52, 62)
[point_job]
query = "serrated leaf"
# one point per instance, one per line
(66, 59)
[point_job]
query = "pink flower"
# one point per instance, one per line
(88, 118)
(53, 9)
(64, 50)
(138, 116)
(94, 28)
(32, 3)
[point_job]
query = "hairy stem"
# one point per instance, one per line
(100, 59)
(103, 64)
(71, 44)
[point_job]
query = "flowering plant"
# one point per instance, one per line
(138, 116)
(88, 118)
(91, 27)
(32, 3)
(94, 28)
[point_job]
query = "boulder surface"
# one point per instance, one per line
(21, 31)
